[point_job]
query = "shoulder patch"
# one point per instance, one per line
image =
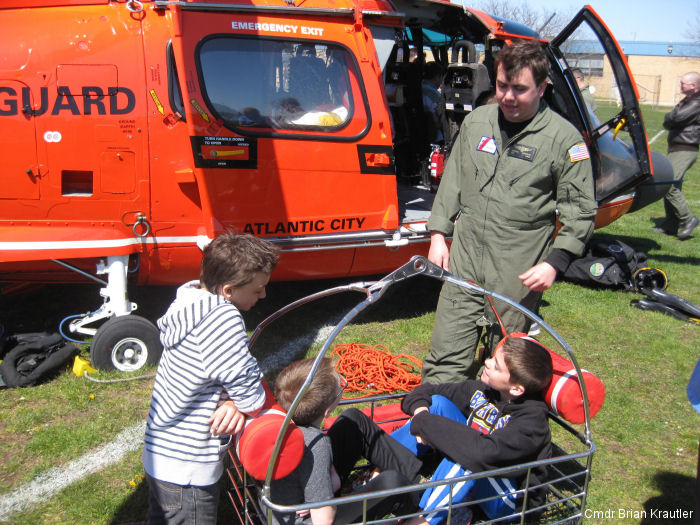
(578, 152)
(487, 144)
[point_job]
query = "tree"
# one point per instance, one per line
(693, 25)
(547, 22)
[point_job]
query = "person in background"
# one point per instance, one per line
(433, 102)
(693, 392)
(683, 125)
(585, 89)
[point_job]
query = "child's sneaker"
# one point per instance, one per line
(534, 330)
(462, 516)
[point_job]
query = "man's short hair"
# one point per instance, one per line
(528, 362)
(578, 74)
(321, 394)
(233, 258)
(523, 54)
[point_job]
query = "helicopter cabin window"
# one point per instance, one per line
(174, 92)
(275, 85)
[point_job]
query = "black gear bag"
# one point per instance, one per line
(606, 264)
(33, 358)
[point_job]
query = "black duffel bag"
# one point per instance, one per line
(608, 264)
(32, 358)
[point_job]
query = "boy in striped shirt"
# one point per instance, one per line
(207, 380)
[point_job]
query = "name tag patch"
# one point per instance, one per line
(520, 151)
(487, 144)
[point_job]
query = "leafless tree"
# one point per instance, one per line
(548, 22)
(693, 25)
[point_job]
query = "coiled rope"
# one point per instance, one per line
(374, 370)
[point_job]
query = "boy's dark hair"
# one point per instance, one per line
(528, 362)
(233, 258)
(322, 392)
(520, 55)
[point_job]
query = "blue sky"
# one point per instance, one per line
(648, 20)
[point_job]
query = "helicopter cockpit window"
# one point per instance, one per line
(279, 85)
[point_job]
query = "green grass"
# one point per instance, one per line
(646, 433)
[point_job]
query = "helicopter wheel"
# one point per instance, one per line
(125, 343)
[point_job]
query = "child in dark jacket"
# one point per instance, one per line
(475, 425)
(498, 421)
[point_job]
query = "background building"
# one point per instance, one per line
(657, 68)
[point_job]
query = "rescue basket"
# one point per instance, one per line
(568, 470)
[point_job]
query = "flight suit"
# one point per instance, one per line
(506, 198)
(588, 99)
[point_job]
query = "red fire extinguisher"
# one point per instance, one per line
(437, 164)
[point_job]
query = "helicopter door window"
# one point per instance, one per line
(254, 85)
(594, 81)
(585, 57)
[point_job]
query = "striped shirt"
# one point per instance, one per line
(205, 360)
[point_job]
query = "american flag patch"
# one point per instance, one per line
(578, 152)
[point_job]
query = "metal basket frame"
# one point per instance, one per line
(569, 473)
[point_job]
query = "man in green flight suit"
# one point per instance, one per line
(585, 90)
(516, 168)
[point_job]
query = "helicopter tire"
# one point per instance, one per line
(126, 343)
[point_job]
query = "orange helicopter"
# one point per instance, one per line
(134, 131)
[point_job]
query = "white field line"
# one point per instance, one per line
(56, 479)
(48, 484)
(290, 351)
(656, 136)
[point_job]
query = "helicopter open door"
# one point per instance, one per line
(621, 162)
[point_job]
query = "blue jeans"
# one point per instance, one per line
(439, 496)
(171, 504)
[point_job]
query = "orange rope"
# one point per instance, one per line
(374, 370)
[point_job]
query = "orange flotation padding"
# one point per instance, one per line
(388, 417)
(255, 443)
(564, 395)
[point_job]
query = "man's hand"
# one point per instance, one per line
(539, 278)
(439, 252)
(226, 419)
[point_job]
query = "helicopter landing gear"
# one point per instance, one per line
(125, 343)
